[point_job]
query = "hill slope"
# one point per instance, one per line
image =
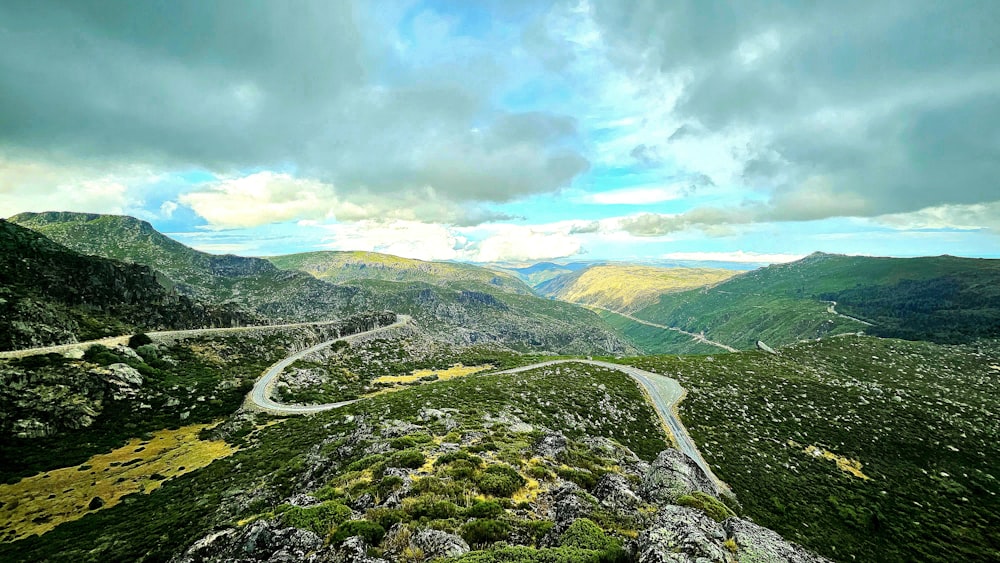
(52, 295)
(784, 303)
(626, 287)
(339, 267)
(465, 312)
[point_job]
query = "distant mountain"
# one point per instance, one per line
(626, 287)
(50, 294)
(943, 299)
(339, 267)
(463, 311)
(541, 272)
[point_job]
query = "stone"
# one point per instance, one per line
(95, 503)
(435, 543)
(552, 445)
(758, 544)
(615, 492)
(682, 535)
(672, 476)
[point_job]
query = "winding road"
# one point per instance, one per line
(697, 337)
(832, 309)
(259, 397)
(664, 392)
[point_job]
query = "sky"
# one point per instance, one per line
(509, 131)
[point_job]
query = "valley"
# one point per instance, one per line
(371, 408)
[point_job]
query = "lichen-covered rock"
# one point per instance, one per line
(615, 492)
(672, 476)
(682, 535)
(435, 543)
(262, 540)
(353, 550)
(552, 445)
(756, 544)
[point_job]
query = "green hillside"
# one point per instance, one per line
(50, 294)
(337, 267)
(458, 308)
(919, 420)
(627, 287)
(784, 303)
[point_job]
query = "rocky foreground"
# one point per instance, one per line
(657, 512)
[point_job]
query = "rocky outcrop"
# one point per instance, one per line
(756, 543)
(682, 535)
(672, 476)
(435, 543)
(260, 541)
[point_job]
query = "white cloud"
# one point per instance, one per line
(734, 256)
(409, 239)
(35, 185)
(636, 196)
(516, 243)
(966, 217)
(167, 209)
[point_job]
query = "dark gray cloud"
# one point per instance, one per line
(234, 85)
(892, 106)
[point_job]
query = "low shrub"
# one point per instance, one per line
(320, 519)
(485, 531)
(708, 504)
(500, 480)
(368, 531)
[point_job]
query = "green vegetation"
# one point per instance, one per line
(320, 519)
(627, 287)
(583, 401)
(940, 298)
(918, 418)
(339, 267)
(653, 340)
(707, 504)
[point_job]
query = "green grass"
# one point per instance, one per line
(920, 418)
(652, 340)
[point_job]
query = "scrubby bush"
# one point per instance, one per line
(585, 534)
(430, 507)
(368, 531)
(585, 479)
(500, 480)
(387, 517)
(411, 459)
(99, 354)
(485, 531)
(140, 339)
(484, 509)
(148, 352)
(320, 519)
(707, 504)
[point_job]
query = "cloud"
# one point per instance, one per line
(734, 256)
(40, 185)
(270, 197)
(511, 243)
(371, 100)
(781, 97)
(423, 241)
(980, 216)
(635, 196)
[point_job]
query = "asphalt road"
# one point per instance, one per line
(260, 396)
(665, 393)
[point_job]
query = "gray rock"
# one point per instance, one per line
(552, 445)
(353, 550)
(673, 475)
(435, 543)
(682, 535)
(765, 348)
(262, 540)
(756, 544)
(615, 492)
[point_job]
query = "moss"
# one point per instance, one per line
(368, 531)
(708, 504)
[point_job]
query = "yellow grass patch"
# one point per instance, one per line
(851, 466)
(529, 492)
(37, 504)
(457, 370)
(630, 288)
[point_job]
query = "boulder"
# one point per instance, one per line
(615, 493)
(552, 445)
(672, 476)
(682, 535)
(758, 544)
(262, 540)
(435, 543)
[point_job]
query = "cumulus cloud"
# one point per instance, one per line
(979, 216)
(780, 97)
(332, 90)
(509, 243)
(270, 197)
(40, 185)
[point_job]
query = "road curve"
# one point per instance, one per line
(697, 337)
(665, 393)
(259, 397)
